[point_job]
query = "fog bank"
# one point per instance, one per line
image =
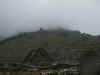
(29, 15)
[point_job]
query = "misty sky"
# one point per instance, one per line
(28, 15)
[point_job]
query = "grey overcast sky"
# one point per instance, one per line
(27, 15)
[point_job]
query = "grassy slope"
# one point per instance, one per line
(60, 44)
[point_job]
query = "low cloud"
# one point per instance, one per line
(29, 15)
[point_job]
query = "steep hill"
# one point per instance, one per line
(63, 45)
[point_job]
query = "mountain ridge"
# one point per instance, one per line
(58, 43)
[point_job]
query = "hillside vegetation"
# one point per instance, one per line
(64, 46)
